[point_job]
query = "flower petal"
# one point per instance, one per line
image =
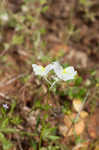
(48, 68)
(57, 69)
(38, 69)
(69, 69)
(66, 77)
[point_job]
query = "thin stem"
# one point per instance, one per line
(77, 116)
(52, 85)
(82, 106)
(40, 141)
(47, 80)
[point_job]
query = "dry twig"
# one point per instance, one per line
(78, 114)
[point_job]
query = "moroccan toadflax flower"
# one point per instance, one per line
(42, 71)
(62, 74)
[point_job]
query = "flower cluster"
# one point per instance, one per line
(61, 74)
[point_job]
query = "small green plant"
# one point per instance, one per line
(86, 8)
(66, 108)
(6, 144)
(6, 119)
(47, 134)
(4, 122)
(75, 92)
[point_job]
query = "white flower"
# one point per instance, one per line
(64, 74)
(5, 106)
(69, 73)
(57, 69)
(42, 71)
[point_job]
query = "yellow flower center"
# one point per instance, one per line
(42, 69)
(64, 71)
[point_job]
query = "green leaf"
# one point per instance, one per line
(52, 137)
(17, 39)
(76, 92)
(34, 144)
(85, 2)
(48, 133)
(4, 123)
(44, 9)
(42, 2)
(3, 112)
(13, 105)
(16, 120)
(78, 81)
(6, 144)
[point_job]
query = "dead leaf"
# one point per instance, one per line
(79, 127)
(93, 125)
(67, 121)
(63, 130)
(83, 114)
(77, 104)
